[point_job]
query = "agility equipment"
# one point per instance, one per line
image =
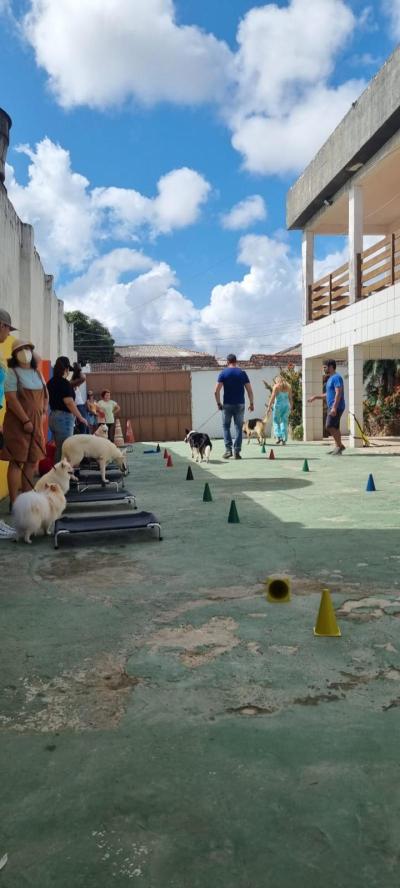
(326, 620)
(305, 466)
(189, 474)
(165, 453)
(129, 436)
(207, 498)
(370, 488)
(362, 436)
(278, 589)
(158, 449)
(88, 478)
(101, 498)
(106, 524)
(263, 450)
(118, 436)
(149, 451)
(233, 517)
(169, 463)
(271, 454)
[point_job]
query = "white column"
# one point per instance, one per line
(356, 214)
(356, 392)
(307, 252)
(312, 413)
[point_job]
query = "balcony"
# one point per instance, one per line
(377, 268)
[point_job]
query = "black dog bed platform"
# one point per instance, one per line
(100, 497)
(121, 522)
(89, 478)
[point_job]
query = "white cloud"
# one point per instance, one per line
(284, 108)
(392, 9)
(103, 53)
(70, 217)
(286, 143)
(245, 213)
(259, 312)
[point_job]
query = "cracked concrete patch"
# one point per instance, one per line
(200, 645)
(287, 649)
(366, 609)
(92, 697)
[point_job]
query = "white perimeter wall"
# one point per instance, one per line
(203, 401)
(26, 292)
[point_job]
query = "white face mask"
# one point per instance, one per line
(24, 356)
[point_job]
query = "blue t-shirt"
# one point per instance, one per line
(234, 380)
(334, 382)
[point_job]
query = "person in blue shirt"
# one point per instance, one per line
(334, 395)
(234, 381)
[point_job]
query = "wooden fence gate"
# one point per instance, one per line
(158, 404)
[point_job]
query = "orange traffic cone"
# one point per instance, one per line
(271, 454)
(169, 462)
(129, 436)
(118, 437)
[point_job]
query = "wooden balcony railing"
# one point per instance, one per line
(377, 268)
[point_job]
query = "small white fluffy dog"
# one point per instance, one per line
(35, 513)
(62, 473)
(77, 447)
(102, 431)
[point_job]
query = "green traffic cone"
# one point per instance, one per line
(189, 475)
(158, 449)
(233, 517)
(207, 498)
(305, 466)
(263, 450)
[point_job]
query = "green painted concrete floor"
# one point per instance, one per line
(161, 724)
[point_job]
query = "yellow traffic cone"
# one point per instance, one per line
(326, 620)
(118, 436)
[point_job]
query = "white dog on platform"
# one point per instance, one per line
(62, 473)
(34, 513)
(78, 447)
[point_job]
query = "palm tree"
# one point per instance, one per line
(380, 377)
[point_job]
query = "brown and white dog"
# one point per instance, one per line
(255, 428)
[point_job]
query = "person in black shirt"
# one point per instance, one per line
(63, 410)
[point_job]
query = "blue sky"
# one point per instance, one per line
(173, 114)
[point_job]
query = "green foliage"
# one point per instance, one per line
(382, 404)
(298, 433)
(92, 341)
(293, 377)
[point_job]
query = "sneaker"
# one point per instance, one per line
(227, 454)
(237, 456)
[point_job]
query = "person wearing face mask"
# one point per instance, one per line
(63, 410)
(26, 404)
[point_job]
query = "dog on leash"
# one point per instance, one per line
(255, 428)
(62, 473)
(79, 447)
(34, 512)
(200, 445)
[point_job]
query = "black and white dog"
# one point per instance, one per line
(200, 445)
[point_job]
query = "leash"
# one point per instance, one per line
(362, 437)
(208, 419)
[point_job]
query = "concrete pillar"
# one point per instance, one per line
(356, 227)
(312, 413)
(307, 251)
(356, 392)
(25, 281)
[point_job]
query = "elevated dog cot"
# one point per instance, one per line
(105, 524)
(100, 497)
(91, 478)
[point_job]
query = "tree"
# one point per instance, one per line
(92, 341)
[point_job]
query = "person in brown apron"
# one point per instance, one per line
(26, 405)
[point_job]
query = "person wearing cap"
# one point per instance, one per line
(6, 328)
(63, 410)
(234, 381)
(26, 404)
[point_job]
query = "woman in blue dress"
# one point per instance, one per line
(281, 405)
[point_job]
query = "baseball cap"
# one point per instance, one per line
(5, 318)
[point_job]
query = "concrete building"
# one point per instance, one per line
(352, 188)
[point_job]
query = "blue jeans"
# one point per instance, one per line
(62, 426)
(233, 412)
